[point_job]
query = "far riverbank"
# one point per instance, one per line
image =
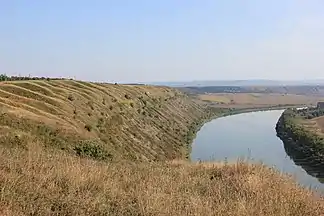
(216, 112)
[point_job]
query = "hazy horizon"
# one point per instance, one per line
(163, 41)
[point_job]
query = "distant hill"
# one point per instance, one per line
(259, 82)
(289, 89)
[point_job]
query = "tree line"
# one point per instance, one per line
(310, 113)
(4, 77)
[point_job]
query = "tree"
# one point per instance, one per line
(3, 77)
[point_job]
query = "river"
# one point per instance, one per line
(251, 136)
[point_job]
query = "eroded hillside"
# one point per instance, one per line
(103, 121)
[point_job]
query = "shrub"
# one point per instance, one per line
(88, 127)
(90, 104)
(91, 149)
(100, 122)
(144, 102)
(71, 98)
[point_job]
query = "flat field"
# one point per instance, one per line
(247, 100)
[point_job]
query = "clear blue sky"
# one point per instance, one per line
(163, 40)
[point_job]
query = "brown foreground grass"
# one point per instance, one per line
(37, 181)
(244, 100)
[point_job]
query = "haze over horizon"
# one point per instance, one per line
(158, 41)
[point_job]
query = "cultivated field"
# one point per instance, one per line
(244, 100)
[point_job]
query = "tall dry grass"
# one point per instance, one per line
(39, 181)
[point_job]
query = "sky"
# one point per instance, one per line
(163, 40)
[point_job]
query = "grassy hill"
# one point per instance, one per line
(100, 120)
(77, 148)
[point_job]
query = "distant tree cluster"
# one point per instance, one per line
(4, 77)
(310, 113)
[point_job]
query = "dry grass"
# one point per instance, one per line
(241, 100)
(320, 123)
(126, 121)
(315, 125)
(38, 181)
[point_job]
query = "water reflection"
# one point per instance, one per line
(313, 166)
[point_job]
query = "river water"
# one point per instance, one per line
(249, 136)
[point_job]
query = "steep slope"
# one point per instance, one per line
(300, 131)
(103, 121)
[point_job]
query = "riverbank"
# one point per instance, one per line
(216, 112)
(260, 109)
(305, 143)
(223, 112)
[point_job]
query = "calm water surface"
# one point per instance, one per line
(250, 136)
